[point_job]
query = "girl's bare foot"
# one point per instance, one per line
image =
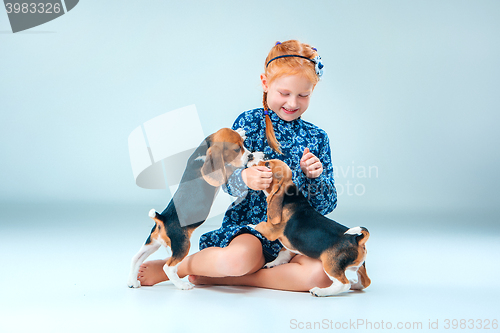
(151, 273)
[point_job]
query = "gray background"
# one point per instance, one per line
(410, 88)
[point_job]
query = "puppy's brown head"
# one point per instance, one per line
(225, 153)
(282, 179)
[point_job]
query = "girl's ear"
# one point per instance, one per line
(263, 79)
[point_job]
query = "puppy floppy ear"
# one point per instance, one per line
(213, 170)
(275, 202)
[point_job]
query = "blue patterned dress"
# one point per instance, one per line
(251, 206)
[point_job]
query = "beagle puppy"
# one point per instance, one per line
(303, 230)
(207, 169)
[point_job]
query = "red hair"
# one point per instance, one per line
(287, 66)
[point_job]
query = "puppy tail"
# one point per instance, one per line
(361, 233)
(155, 216)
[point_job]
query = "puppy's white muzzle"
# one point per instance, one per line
(256, 157)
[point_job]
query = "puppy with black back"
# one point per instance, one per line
(303, 230)
(207, 169)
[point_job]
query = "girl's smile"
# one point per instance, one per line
(288, 96)
(288, 111)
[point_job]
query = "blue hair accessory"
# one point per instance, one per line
(277, 43)
(318, 65)
(266, 112)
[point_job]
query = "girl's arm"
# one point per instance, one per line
(235, 185)
(257, 178)
(320, 191)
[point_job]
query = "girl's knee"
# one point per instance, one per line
(238, 261)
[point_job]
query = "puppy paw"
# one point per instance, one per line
(134, 284)
(276, 262)
(184, 285)
(356, 285)
(283, 257)
(334, 289)
(273, 264)
(318, 292)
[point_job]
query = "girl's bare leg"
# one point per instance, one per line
(242, 256)
(300, 274)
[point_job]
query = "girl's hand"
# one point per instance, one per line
(310, 164)
(257, 177)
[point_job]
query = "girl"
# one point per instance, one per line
(235, 253)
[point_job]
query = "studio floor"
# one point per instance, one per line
(64, 269)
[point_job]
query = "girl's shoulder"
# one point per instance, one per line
(313, 129)
(250, 115)
(250, 120)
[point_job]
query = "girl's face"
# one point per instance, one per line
(288, 96)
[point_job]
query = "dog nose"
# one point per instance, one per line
(250, 157)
